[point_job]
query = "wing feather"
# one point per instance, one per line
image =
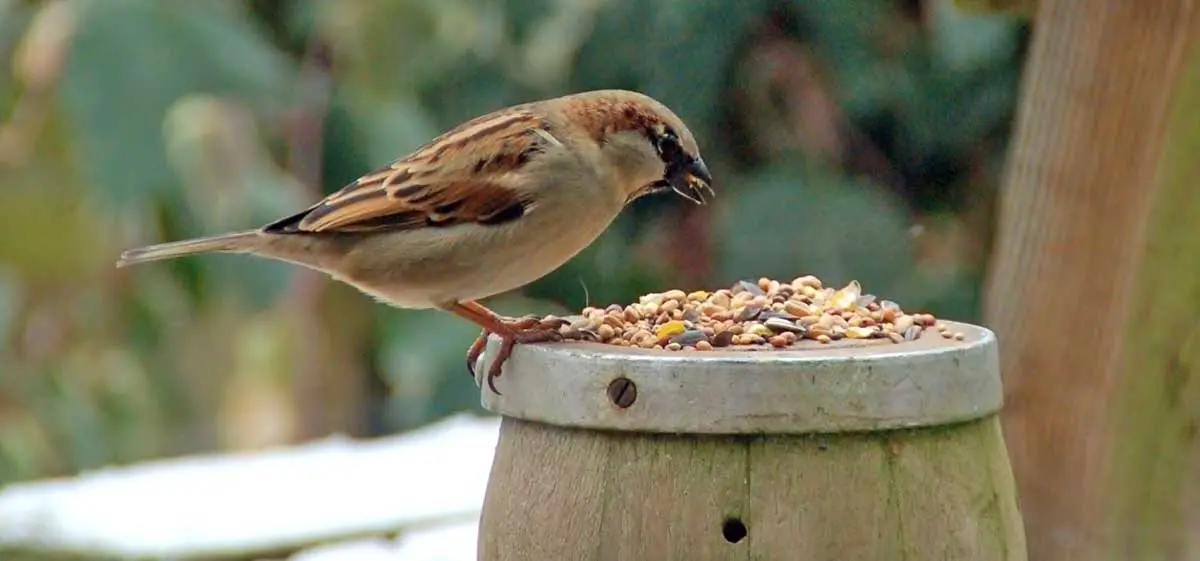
(459, 177)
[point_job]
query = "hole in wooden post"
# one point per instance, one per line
(733, 530)
(622, 392)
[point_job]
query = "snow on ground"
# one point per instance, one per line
(324, 491)
(450, 542)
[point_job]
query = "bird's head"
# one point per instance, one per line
(650, 145)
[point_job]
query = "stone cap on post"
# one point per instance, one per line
(843, 386)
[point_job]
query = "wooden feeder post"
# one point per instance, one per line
(862, 450)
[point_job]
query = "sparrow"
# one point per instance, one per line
(487, 207)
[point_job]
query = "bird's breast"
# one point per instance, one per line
(423, 268)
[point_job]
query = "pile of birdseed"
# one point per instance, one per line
(752, 315)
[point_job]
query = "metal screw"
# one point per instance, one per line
(622, 392)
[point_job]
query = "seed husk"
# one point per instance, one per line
(747, 287)
(690, 337)
(747, 313)
(780, 325)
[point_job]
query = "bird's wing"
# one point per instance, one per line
(461, 176)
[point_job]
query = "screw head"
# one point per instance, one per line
(622, 392)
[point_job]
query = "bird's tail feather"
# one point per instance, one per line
(234, 242)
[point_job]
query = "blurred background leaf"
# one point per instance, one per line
(130, 60)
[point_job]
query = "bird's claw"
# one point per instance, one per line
(525, 329)
(536, 334)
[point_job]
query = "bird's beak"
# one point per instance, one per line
(693, 182)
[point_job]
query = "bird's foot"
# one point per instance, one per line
(526, 329)
(476, 349)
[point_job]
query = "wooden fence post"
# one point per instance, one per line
(855, 451)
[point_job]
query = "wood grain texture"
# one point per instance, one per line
(560, 493)
(932, 493)
(1084, 173)
(1155, 512)
(937, 493)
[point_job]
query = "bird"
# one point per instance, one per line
(486, 207)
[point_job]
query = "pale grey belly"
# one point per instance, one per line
(421, 269)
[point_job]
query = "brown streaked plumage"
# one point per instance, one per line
(491, 205)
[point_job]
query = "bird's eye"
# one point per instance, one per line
(667, 145)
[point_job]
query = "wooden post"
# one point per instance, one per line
(843, 451)
(1095, 282)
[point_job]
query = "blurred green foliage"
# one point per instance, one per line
(849, 140)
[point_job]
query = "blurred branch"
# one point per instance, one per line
(304, 155)
(307, 123)
(689, 246)
(37, 65)
(791, 106)
(328, 381)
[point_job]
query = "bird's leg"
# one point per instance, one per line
(527, 329)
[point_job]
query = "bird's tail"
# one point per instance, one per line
(235, 242)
